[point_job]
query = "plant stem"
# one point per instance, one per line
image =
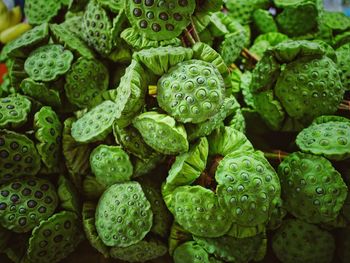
(276, 155)
(250, 56)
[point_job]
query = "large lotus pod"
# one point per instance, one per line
(14, 111)
(343, 62)
(91, 188)
(110, 165)
(140, 252)
(70, 40)
(300, 242)
(227, 140)
(18, 156)
(232, 46)
(198, 211)
(264, 21)
(247, 187)
(242, 10)
(231, 249)
(48, 62)
(48, 132)
(19, 46)
(88, 214)
(68, 195)
(96, 124)
(311, 188)
(41, 11)
(330, 139)
(162, 133)
(158, 20)
(123, 215)
(190, 252)
(176, 91)
(55, 238)
(25, 202)
(131, 93)
(85, 82)
(160, 60)
(131, 141)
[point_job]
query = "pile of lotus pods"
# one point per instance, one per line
(185, 131)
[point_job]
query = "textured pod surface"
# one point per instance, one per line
(190, 252)
(110, 165)
(343, 62)
(160, 20)
(96, 124)
(41, 11)
(123, 215)
(48, 62)
(232, 46)
(299, 242)
(18, 156)
(14, 111)
(192, 91)
(55, 238)
(312, 189)
(25, 202)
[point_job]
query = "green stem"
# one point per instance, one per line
(276, 155)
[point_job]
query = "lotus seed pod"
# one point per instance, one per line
(161, 132)
(48, 131)
(48, 62)
(232, 46)
(159, 20)
(140, 252)
(25, 202)
(337, 21)
(96, 124)
(16, 72)
(343, 63)
(176, 97)
(18, 156)
(264, 21)
(264, 41)
(55, 238)
(312, 189)
(242, 10)
(110, 165)
(190, 252)
(247, 186)
(68, 195)
(85, 82)
(14, 111)
(41, 11)
(123, 215)
(300, 242)
(330, 139)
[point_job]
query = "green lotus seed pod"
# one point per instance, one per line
(123, 215)
(264, 41)
(25, 202)
(190, 252)
(14, 111)
(161, 132)
(91, 188)
(232, 46)
(337, 21)
(96, 124)
(55, 238)
(264, 21)
(110, 165)
(159, 20)
(73, 23)
(140, 252)
(330, 139)
(299, 242)
(48, 62)
(343, 63)
(312, 189)
(16, 73)
(85, 82)
(18, 156)
(68, 195)
(41, 11)
(48, 131)
(242, 10)
(178, 97)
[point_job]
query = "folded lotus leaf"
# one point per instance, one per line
(190, 252)
(68, 195)
(41, 11)
(14, 111)
(264, 21)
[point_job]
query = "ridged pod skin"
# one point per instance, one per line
(190, 252)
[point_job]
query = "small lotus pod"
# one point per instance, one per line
(70, 41)
(158, 20)
(264, 21)
(41, 11)
(85, 82)
(160, 60)
(88, 214)
(190, 252)
(91, 188)
(178, 98)
(343, 62)
(68, 195)
(231, 249)
(48, 62)
(25, 202)
(140, 252)
(232, 46)
(96, 124)
(55, 238)
(41, 92)
(110, 165)
(161, 132)
(242, 10)
(300, 242)
(247, 186)
(48, 131)
(18, 156)
(14, 111)
(123, 215)
(312, 189)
